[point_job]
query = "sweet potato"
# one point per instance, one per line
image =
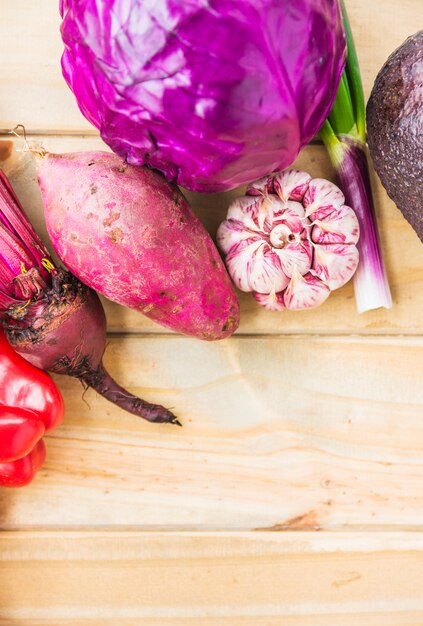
(129, 234)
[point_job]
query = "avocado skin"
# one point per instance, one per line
(395, 128)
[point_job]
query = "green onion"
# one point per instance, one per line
(344, 135)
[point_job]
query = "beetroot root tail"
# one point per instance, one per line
(106, 386)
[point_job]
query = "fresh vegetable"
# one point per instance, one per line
(395, 128)
(24, 386)
(22, 471)
(50, 318)
(30, 406)
(290, 240)
(344, 134)
(213, 94)
(128, 233)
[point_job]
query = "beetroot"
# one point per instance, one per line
(65, 332)
(129, 234)
(50, 317)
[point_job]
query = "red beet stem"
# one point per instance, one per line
(103, 383)
(64, 332)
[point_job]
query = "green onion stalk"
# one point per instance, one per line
(344, 135)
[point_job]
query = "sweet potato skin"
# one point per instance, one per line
(130, 235)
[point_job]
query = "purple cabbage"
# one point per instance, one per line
(214, 93)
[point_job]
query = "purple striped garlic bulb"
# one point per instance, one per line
(290, 240)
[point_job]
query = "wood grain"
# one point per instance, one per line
(220, 580)
(402, 249)
(38, 96)
(280, 433)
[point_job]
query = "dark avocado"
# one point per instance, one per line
(395, 128)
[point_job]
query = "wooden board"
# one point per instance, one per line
(265, 579)
(293, 495)
(266, 442)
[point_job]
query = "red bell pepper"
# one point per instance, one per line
(30, 405)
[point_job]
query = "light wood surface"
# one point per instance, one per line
(265, 579)
(293, 495)
(267, 441)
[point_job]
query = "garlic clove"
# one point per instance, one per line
(266, 273)
(291, 184)
(272, 301)
(335, 263)
(232, 233)
(240, 263)
(254, 213)
(245, 210)
(295, 256)
(292, 214)
(270, 205)
(305, 292)
(322, 198)
(261, 187)
(341, 226)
